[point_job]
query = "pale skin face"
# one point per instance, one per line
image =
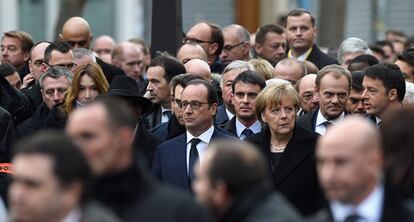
(348, 162)
(176, 108)
(104, 46)
(280, 117)
(87, 89)
(307, 94)
(158, 87)
(103, 147)
(35, 193)
(12, 52)
(406, 69)
(234, 48)
(188, 52)
(54, 90)
(202, 31)
(273, 48)
(226, 89)
(14, 80)
(36, 60)
(376, 97)
(61, 59)
(348, 57)
(355, 103)
(244, 101)
(198, 120)
(132, 62)
(333, 94)
(300, 33)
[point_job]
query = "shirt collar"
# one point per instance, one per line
(370, 209)
(256, 127)
(302, 57)
(205, 137)
(163, 109)
(377, 120)
(74, 215)
(320, 119)
(230, 115)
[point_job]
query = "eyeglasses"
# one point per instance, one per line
(193, 104)
(79, 43)
(51, 92)
(68, 66)
(198, 41)
(228, 48)
(307, 96)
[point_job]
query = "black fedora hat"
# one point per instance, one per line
(124, 86)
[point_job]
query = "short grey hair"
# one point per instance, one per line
(82, 52)
(237, 64)
(55, 73)
(352, 45)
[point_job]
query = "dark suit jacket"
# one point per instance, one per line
(145, 143)
(170, 166)
(109, 70)
(394, 208)
(295, 175)
(168, 130)
(153, 118)
(34, 94)
(221, 115)
(230, 126)
(308, 120)
(319, 58)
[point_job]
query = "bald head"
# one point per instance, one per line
(129, 58)
(290, 69)
(103, 46)
(349, 160)
(77, 32)
(198, 67)
(190, 51)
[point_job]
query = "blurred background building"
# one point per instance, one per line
(124, 19)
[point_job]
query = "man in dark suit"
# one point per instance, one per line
(300, 35)
(145, 143)
(333, 84)
(104, 130)
(349, 163)
(175, 159)
(384, 90)
(246, 86)
(77, 33)
(226, 111)
(160, 72)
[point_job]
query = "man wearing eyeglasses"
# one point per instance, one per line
(59, 54)
(77, 33)
(53, 84)
(210, 38)
(309, 100)
(236, 44)
(175, 159)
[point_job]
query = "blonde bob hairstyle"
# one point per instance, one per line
(263, 67)
(272, 95)
(95, 72)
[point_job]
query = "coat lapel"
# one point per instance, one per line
(180, 156)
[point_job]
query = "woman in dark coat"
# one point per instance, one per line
(288, 148)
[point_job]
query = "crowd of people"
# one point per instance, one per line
(238, 126)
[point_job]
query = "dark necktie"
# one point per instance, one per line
(352, 218)
(193, 157)
(327, 124)
(247, 132)
(168, 113)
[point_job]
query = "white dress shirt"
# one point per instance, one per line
(74, 215)
(320, 120)
(229, 114)
(369, 210)
(164, 116)
(256, 128)
(201, 146)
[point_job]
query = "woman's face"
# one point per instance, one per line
(87, 89)
(280, 117)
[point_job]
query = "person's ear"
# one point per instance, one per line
(393, 95)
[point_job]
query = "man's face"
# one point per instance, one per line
(104, 47)
(54, 90)
(175, 105)
(226, 89)
(198, 118)
(201, 34)
(36, 59)
(158, 86)
(14, 80)
(204, 190)
(300, 32)
(291, 73)
(66, 60)
(348, 57)
(90, 129)
(345, 169)
(234, 48)
(35, 193)
(406, 69)
(244, 100)
(333, 94)
(87, 89)
(355, 103)
(12, 52)
(132, 62)
(308, 97)
(77, 38)
(273, 48)
(189, 52)
(376, 97)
